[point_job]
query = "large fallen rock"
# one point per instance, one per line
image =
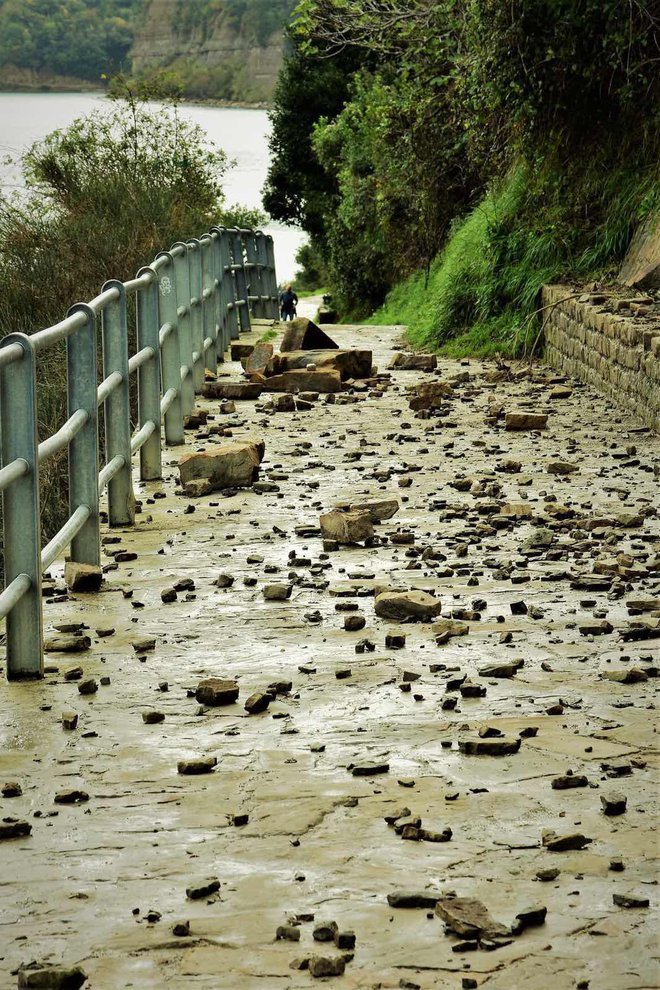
(525, 421)
(301, 380)
(378, 508)
(408, 361)
(304, 335)
(407, 606)
(430, 395)
(346, 527)
(234, 465)
(232, 390)
(349, 363)
(259, 358)
(51, 978)
(468, 917)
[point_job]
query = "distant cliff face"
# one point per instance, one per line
(224, 50)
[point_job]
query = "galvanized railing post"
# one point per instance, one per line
(263, 280)
(251, 272)
(210, 304)
(195, 279)
(117, 408)
(238, 260)
(21, 511)
(228, 295)
(272, 283)
(84, 448)
(170, 353)
(184, 325)
(148, 327)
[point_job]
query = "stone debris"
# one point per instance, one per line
(346, 527)
(51, 978)
(234, 465)
(410, 361)
(192, 768)
(516, 568)
(215, 691)
(82, 578)
(203, 888)
(302, 334)
(468, 917)
(407, 606)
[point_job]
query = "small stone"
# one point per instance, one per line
(257, 702)
(532, 916)
(413, 898)
(82, 578)
(525, 421)
(168, 596)
(630, 900)
(569, 781)
(287, 933)
(11, 789)
(74, 796)
(67, 644)
(181, 929)
(407, 606)
(69, 721)
(51, 978)
(325, 931)
(88, 687)
(613, 804)
(353, 623)
(327, 966)
(215, 691)
(564, 843)
(203, 888)
(369, 769)
(153, 718)
(345, 940)
(205, 764)
(277, 592)
(547, 876)
(14, 829)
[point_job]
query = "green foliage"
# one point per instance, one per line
(103, 196)
(85, 39)
(254, 20)
(527, 231)
(520, 140)
(312, 273)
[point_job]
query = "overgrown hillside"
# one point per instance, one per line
(223, 49)
(79, 39)
(452, 155)
(216, 49)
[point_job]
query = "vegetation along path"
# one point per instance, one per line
(501, 749)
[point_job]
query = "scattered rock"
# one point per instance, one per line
(407, 606)
(82, 578)
(190, 768)
(235, 465)
(214, 691)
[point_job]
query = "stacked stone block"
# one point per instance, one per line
(616, 354)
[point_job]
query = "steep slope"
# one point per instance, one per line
(223, 49)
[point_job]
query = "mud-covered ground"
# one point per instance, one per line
(79, 889)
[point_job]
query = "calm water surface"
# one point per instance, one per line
(243, 134)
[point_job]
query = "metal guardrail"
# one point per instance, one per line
(190, 303)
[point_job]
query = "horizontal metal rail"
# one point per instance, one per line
(188, 305)
(62, 539)
(64, 435)
(13, 593)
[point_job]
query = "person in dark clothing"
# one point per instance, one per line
(288, 303)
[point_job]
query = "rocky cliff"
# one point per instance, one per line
(209, 48)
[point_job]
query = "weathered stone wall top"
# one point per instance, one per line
(611, 343)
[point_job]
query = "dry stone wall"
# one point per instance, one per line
(617, 354)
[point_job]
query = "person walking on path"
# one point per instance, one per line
(288, 303)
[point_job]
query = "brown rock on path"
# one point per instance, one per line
(409, 361)
(235, 465)
(82, 577)
(348, 363)
(301, 380)
(346, 527)
(407, 606)
(302, 334)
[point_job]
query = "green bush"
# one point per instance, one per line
(104, 195)
(539, 225)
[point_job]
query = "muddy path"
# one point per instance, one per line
(549, 578)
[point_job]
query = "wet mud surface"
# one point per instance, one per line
(582, 582)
